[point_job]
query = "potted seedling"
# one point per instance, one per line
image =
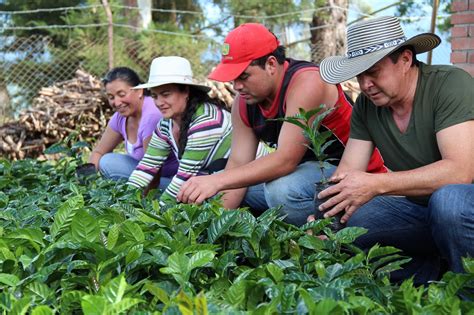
(318, 143)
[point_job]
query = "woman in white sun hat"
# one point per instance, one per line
(195, 128)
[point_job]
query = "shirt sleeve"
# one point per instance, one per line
(155, 155)
(114, 123)
(358, 122)
(194, 160)
(455, 100)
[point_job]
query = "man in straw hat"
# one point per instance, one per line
(421, 119)
(270, 86)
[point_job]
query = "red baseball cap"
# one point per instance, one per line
(242, 45)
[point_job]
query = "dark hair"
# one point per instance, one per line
(196, 97)
(396, 54)
(278, 53)
(124, 74)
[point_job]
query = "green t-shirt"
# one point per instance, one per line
(443, 98)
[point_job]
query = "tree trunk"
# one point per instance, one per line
(5, 105)
(328, 31)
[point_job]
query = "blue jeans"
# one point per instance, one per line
(442, 230)
(294, 192)
(118, 166)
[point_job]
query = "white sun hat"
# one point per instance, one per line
(368, 42)
(168, 70)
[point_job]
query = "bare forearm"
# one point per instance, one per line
(233, 198)
(94, 158)
(422, 181)
(258, 171)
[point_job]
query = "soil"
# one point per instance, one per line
(336, 224)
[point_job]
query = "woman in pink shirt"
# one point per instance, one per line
(133, 123)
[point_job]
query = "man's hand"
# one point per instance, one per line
(198, 188)
(353, 189)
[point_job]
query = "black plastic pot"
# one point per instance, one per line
(84, 171)
(336, 224)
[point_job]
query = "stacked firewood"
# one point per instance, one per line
(76, 105)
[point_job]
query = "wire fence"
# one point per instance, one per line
(29, 63)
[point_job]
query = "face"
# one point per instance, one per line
(255, 84)
(123, 99)
(170, 100)
(385, 82)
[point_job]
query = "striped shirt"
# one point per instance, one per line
(209, 139)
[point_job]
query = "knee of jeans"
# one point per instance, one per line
(442, 206)
(277, 192)
(104, 163)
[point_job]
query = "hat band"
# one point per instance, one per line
(377, 47)
(170, 77)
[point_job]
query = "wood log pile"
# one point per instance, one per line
(78, 106)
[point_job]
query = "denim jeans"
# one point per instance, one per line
(443, 229)
(294, 192)
(118, 166)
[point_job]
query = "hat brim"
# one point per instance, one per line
(226, 72)
(338, 69)
(150, 85)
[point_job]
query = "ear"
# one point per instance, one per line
(271, 64)
(406, 58)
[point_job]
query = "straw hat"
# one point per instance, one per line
(168, 70)
(367, 43)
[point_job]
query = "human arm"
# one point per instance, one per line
(208, 139)
(307, 91)
(157, 152)
(456, 145)
(108, 142)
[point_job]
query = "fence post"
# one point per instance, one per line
(110, 33)
(433, 27)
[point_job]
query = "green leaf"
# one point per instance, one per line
(63, 218)
(84, 227)
(9, 279)
(468, 264)
(377, 251)
(161, 294)
(124, 305)
(94, 305)
(113, 236)
(288, 297)
(200, 304)
(311, 242)
(132, 231)
(134, 253)
(236, 293)
(220, 226)
(200, 259)
(326, 306)
(39, 289)
(34, 235)
(115, 289)
(42, 310)
(275, 271)
(21, 306)
(349, 234)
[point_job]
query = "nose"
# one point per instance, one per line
(365, 82)
(237, 85)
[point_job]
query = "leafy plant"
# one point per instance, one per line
(101, 248)
(310, 123)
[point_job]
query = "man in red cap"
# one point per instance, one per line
(270, 86)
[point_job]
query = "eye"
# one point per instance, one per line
(153, 96)
(243, 76)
